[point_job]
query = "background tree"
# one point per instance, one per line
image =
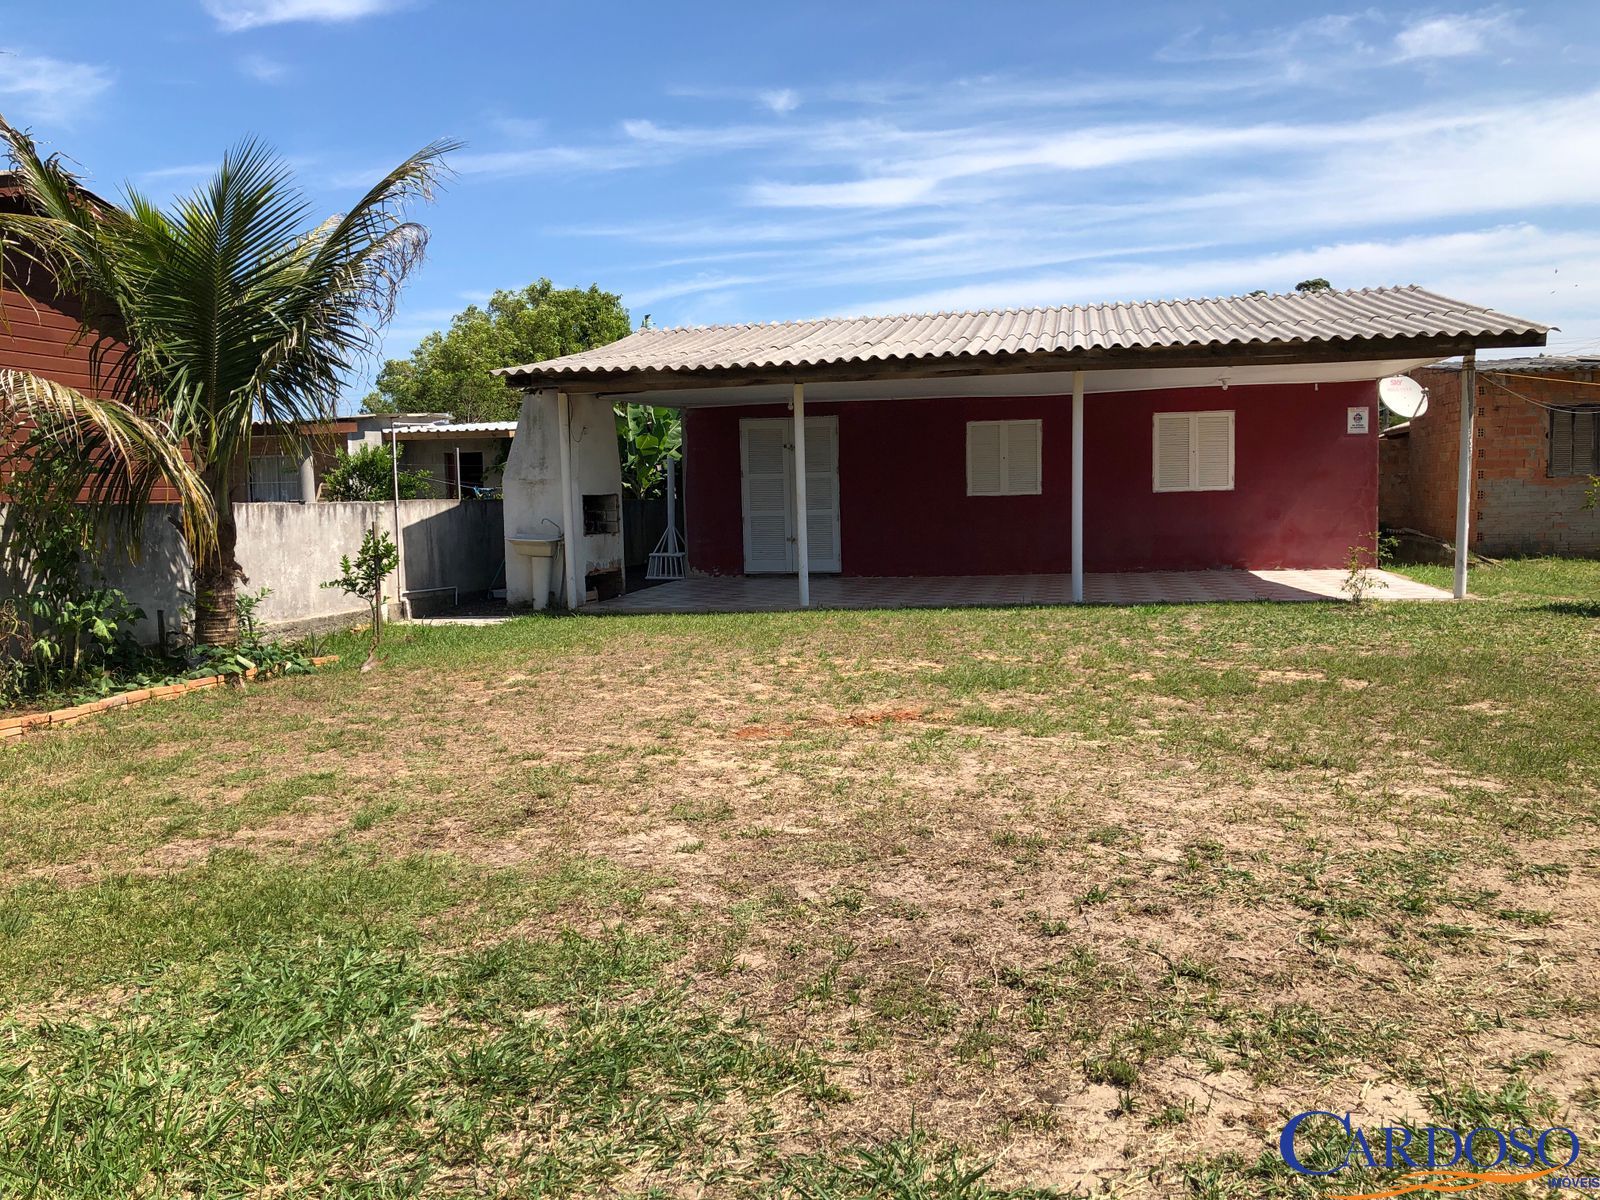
(1313, 285)
(235, 307)
(450, 372)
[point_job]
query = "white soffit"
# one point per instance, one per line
(1047, 383)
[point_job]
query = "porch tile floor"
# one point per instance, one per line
(776, 593)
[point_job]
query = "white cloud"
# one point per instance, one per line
(180, 173)
(1452, 35)
(263, 69)
(37, 87)
(533, 160)
(234, 16)
(520, 127)
(705, 138)
(1509, 268)
(1364, 40)
(882, 192)
(916, 169)
(781, 100)
(1512, 159)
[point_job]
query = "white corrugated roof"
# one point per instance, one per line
(1380, 314)
(460, 427)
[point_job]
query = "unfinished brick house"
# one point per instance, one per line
(1537, 446)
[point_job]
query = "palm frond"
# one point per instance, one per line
(231, 312)
(70, 236)
(348, 273)
(102, 452)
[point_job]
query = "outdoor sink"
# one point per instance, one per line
(535, 547)
(530, 568)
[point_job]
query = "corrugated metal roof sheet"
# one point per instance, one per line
(1544, 364)
(1315, 317)
(460, 427)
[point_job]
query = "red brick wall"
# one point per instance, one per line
(1432, 457)
(1517, 506)
(1394, 482)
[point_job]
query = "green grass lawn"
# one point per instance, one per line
(974, 903)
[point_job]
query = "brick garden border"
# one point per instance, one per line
(12, 727)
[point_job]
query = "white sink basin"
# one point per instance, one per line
(535, 547)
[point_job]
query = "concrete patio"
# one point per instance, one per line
(777, 593)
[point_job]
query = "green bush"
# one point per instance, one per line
(368, 474)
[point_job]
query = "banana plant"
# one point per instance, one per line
(648, 439)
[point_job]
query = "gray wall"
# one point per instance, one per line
(293, 548)
(449, 543)
(157, 581)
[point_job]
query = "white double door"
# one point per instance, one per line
(766, 458)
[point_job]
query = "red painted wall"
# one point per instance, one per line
(1304, 490)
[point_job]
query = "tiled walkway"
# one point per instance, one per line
(768, 593)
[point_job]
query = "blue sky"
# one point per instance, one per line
(729, 162)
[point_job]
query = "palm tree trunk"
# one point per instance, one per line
(216, 617)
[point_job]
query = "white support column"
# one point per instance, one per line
(572, 536)
(802, 547)
(1077, 487)
(460, 495)
(308, 480)
(399, 533)
(1464, 486)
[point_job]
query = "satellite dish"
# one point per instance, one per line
(1403, 396)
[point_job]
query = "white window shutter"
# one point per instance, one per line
(1193, 452)
(1172, 452)
(985, 470)
(1023, 473)
(1213, 451)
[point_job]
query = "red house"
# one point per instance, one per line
(41, 332)
(1161, 436)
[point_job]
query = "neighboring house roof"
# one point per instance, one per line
(11, 188)
(448, 429)
(1544, 364)
(1410, 315)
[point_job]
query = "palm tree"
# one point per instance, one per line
(234, 308)
(101, 453)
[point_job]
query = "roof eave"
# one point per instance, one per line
(1115, 358)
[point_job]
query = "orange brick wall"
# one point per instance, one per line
(1518, 508)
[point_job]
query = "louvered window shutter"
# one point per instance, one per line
(1172, 452)
(1022, 452)
(1003, 458)
(1193, 452)
(985, 473)
(1214, 451)
(1561, 443)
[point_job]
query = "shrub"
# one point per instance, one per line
(375, 562)
(368, 474)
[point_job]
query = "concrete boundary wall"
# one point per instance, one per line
(292, 548)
